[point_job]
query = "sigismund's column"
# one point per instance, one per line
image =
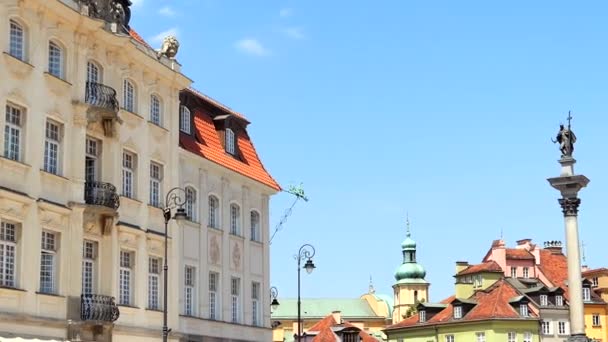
(569, 185)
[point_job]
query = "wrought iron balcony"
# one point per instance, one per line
(101, 96)
(95, 307)
(100, 193)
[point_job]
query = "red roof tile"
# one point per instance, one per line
(138, 38)
(326, 334)
(602, 270)
(555, 268)
(517, 253)
(489, 266)
(210, 147)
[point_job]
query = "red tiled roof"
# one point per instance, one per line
(602, 270)
(326, 334)
(555, 268)
(517, 253)
(137, 37)
(210, 147)
(492, 303)
(489, 266)
(216, 103)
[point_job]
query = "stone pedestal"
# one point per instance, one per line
(569, 185)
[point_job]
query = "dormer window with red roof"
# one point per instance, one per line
(458, 312)
(184, 119)
(422, 316)
(230, 143)
(523, 310)
(559, 300)
(586, 294)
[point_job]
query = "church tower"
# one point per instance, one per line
(411, 288)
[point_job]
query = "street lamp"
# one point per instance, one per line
(176, 198)
(306, 252)
(274, 293)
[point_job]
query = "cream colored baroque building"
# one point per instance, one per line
(92, 126)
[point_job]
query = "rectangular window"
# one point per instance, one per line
(153, 283)
(586, 294)
(213, 299)
(92, 149)
(230, 144)
(594, 282)
(234, 219)
(214, 205)
(596, 320)
(184, 119)
(8, 247)
(511, 336)
(255, 226)
(513, 272)
(17, 40)
(544, 300)
(480, 336)
(526, 272)
(559, 300)
(126, 278)
(449, 338)
(156, 176)
(255, 304)
(48, 262)
(235, 292)
(561, 328)
(527, 336)
(89, 261)
(422, 316)
(189, 281)
(523, 310)
(128, 174)
(13, 132)
(545, 327)
(55, 60)
(51, 147)
(128, 96)
(458, 312)
(190, 205)
(155, 110)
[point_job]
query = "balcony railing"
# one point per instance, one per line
(95, 307)
(100, 193)
(101, 96)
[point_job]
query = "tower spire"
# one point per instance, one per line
(371, 285)
(407, 225)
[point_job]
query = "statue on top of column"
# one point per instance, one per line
(566, 139)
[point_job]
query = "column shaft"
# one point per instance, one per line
(575, 284)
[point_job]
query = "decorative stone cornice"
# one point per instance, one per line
(570, 205)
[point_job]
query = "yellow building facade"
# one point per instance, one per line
(596, 308)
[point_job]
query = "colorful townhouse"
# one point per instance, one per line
(595, 296)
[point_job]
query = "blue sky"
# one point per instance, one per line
(443, 109)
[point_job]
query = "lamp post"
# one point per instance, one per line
(176, 198)
(274, 303)
(306, 252)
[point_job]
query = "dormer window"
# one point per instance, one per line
(184, 119)
(351, 336)
(586, 294)
(523, 310)
(457, 312)
(595, 282)
(526, 272)
(544, 300)
(422, 316)
(230, 143)
(559, 300)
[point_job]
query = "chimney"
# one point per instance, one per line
(584, 268)
(337, 316)
(461, 265)
(524, 243)
(554, 246)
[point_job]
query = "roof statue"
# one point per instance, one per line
(169, 48)
(566, 139)
(112, 11)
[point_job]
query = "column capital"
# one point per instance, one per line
(570, 205)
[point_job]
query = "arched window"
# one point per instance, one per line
(214, 212)
(56, 60)
(17, 40)
(94, 74)
(129, 98)
(255, 226)
(184, 119)
(235, 217)
(155, 110)
(191, 203)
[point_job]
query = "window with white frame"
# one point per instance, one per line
(523, 310)
(156, 176)
(480, 336)
(153, 283)
(184, 119)
(17, 40)
(189, 292)
(255, 226)
(190, 204)
(586, 294)
(8, 251)
(458, 311)
(13, 132)
(155, 110)
(595, 320)
(214, 279)
(422, 316)
(526, 272)
(56, 57)
(128, 96)
(48, 262)
(235, 218)
(511, 336)
(595, 282)
(235, 292)
(449, 338)
(545, 327)
(255, 304)
(527, 336)
(89, 266)
(128, 174)
(513, 272)
(125, 295)
(544, 300)
(230, 143)
(93, 72)
(562, 328)
(559, 300)
(52, 147)
(93, 150)
(214, 212)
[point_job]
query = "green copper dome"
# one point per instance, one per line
(408, 243)
(409, 271)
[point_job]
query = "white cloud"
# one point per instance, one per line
(166, 11)
(174, 31)
(251, 46)
(286, 12)
(294, 32)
